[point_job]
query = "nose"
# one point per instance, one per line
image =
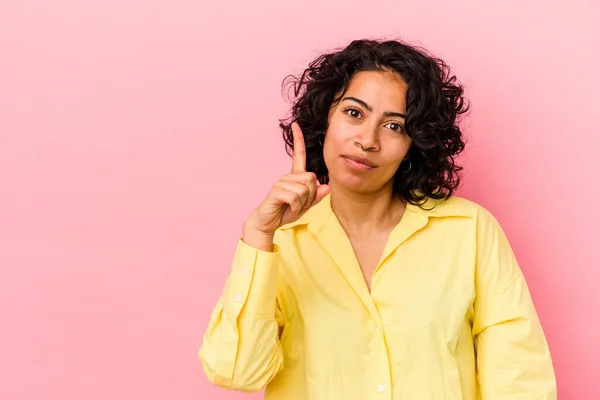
(368, 139)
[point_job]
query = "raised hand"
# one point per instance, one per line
(291, 196)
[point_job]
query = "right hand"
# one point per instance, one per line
(291, 196)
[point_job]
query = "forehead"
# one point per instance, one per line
(378, 88)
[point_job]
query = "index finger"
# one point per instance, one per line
(299, 156)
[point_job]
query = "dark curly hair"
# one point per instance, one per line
(433, 104)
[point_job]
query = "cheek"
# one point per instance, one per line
(328, 153)
(398, 149)
(334, 141)
(332, 149)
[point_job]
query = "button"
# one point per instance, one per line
(244, 271)
(381, 388)
(238, 298)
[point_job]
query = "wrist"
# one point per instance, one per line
(255, 237)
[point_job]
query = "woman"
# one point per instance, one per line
(361, 275)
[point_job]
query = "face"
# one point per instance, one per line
(366, 141)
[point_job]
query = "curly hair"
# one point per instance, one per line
(434, 102)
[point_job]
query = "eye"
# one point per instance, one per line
(352, 112)
(396, 127)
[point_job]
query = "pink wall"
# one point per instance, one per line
(135, 137)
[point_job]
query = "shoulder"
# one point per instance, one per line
(481, 220)
(454, 206)
(483, 233)
(485, 224)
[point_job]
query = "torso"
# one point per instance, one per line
(420, 313)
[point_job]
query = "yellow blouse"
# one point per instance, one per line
(449, 314)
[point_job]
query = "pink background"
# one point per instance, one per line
(136, 136)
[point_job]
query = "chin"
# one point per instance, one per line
(354, 183)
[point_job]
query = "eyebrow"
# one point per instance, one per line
(368, 107)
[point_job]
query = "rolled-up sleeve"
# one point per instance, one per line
(241, 348)
(513, 357)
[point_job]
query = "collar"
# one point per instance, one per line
(454, 206)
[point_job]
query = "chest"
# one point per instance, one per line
(418, 288)
(368, 251)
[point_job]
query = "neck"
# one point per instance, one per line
(365, 213)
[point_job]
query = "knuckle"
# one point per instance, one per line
(307, 177)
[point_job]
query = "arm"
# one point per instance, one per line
(241, 348)
(513, 357)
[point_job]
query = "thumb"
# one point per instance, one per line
(322, 191)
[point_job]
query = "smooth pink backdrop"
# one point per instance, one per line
(136, 136)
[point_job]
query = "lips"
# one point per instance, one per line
(361, 160)
(358, 164)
